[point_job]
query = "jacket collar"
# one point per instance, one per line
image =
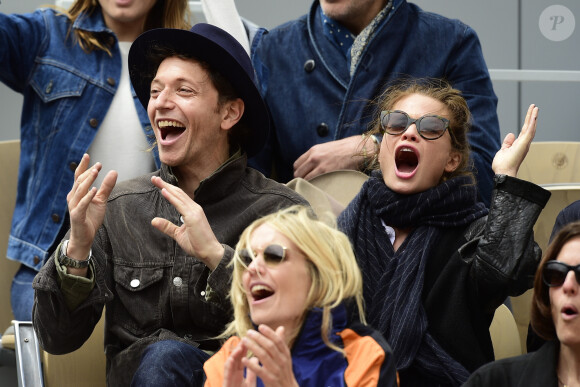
(309, 338)
(324, 48)
(93, 22)
(221, 183)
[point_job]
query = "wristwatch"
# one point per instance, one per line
(67, 261)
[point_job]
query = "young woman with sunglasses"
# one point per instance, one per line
(435, 262)
(555, 317)
(293, 276)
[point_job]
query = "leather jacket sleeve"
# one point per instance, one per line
(501, 245)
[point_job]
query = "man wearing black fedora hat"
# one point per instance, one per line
(154, 250)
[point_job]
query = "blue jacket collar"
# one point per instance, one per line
(310, 334)
(93, 22)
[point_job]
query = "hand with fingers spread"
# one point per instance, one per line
(271, 361)
(513, 150)
(195, 235)
(87, 207)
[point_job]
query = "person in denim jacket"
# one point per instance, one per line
(71, 69)
(155, 250)
(319, 73)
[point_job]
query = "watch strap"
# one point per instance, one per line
(67, 261)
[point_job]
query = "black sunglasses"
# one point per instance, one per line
(555, 272)
(429, 126)
(273, 255)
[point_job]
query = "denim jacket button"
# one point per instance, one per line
(36, 259)
(55, 218)
(309, 65)
(73, 166)
(93, 122)
(111, 81)
(177, 281)
(135, 283)
(48, 87)
(322, 129)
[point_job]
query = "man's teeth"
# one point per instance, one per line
(164, 124)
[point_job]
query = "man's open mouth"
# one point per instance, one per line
(170, 129)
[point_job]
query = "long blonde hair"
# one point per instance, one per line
(335, 274)
(164, 14)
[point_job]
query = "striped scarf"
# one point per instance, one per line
(393, 281)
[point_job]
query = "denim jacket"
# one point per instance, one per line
(313, 99)
(67, 93)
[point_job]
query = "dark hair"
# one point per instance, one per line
(541, 314)
(442, 91)
(226, 92)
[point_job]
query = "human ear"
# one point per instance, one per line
(453, 161)
(232, 113)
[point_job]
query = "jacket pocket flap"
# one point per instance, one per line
(51, 83)
(136, 279)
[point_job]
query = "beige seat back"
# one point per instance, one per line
(85, 367)
(504, 334)
(550, 162)
(9, 159)
(555, 166)
(329, 193)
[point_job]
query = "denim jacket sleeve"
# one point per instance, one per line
(16, 58)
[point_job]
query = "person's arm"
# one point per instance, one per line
(353, 152)
(75, 290)
(61, 322)
(507, 256)
(87, 207)
(21, 37)
(224, 14)
(467, 71)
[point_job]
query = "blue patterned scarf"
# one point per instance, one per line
(393, 281)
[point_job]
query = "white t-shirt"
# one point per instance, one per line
(120, 143)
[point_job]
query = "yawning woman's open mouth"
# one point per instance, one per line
(406, 159)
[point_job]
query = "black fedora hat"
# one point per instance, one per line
(223, 53)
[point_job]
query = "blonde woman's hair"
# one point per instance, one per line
(164, 14)
(334, 272)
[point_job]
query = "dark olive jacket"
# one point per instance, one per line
(151, 288)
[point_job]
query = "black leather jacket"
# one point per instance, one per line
(476, 269)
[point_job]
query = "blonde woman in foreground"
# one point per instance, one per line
(294, 281)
